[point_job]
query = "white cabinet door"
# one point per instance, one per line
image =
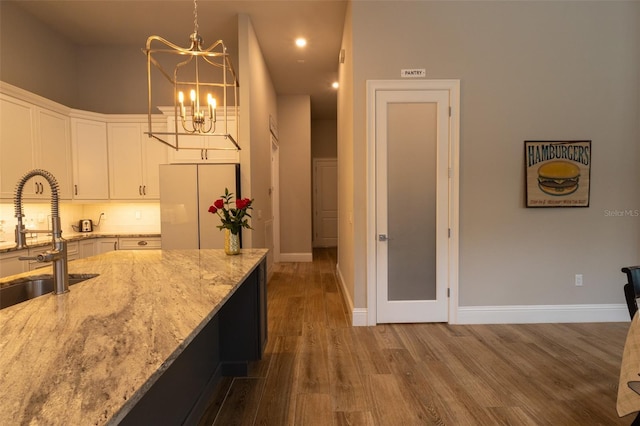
(104, 245)
(133, 162)
(32, 137)
(154, 154)
(53, 151)
(203, 149)
(90, 167)
(125, 161)
(10, 264)
(72, 250)
(34, 264)
(17, 142)
(194, 147)
(86, 248)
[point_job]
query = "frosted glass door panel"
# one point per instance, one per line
(411, 175)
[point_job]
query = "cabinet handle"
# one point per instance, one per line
(139, 189)
(144, 189)
(202, 154)
(115, 245)
(75, 189)
(142, 243)
(206, 154)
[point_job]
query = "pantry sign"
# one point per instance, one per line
(558, 173)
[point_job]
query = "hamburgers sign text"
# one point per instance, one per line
(557, 173)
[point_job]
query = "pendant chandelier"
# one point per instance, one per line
(205, 89)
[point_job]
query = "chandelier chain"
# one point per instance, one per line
(195, 16)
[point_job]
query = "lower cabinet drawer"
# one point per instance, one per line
(139, 243)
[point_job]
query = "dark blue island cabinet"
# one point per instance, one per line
(234, 337)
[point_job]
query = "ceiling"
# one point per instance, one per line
(277, 24)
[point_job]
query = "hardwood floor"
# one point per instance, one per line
(318, 370)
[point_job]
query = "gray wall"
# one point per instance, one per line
(294, 128)
(258, 94)
(348, 257)
(105, 79)
(324, 139)
(35, 58)
(528, 70)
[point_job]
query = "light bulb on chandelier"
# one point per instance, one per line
(201, 120)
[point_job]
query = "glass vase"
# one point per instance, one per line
(231, 243)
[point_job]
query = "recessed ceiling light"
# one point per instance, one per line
(301, 42)
(335, 85)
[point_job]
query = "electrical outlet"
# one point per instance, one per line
(137, 214)
(578, 280)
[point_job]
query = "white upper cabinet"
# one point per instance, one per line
(54, 150)
(94, 157)
(203, 149)
(90, 165)
(32, 137)
(133, 162)
(17, 142)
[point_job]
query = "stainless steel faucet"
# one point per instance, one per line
(58, 252)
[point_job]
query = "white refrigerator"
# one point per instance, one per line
(186, 192)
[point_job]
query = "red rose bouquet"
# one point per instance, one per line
(233, 218)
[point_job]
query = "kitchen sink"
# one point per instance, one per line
(27, 288)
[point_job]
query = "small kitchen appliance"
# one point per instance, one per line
(86, 225)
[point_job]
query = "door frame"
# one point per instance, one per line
(453, 87)
(275, 196)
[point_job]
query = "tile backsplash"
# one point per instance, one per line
(117, 218)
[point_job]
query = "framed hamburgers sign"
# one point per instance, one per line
(558, 173)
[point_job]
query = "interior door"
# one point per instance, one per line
(325, 200)
(412, 198)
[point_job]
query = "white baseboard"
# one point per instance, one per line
(527, 314)
(359, 317)
(343, 288)
(296, 257)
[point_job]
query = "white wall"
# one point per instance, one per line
(528, 70)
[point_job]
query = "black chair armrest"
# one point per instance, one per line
(630, 298)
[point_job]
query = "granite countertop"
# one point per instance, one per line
(89, 355)
(42, 240)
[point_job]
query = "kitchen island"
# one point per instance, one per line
(149, 336)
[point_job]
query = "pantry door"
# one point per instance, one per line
(412, 205)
